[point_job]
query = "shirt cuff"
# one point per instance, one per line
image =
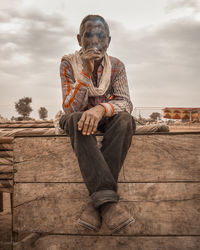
(108, 108)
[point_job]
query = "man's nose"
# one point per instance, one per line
(95, 39)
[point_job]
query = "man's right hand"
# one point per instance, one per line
(88, 57)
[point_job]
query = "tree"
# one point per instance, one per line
(155, 115)
(43, 113)
(23, 107)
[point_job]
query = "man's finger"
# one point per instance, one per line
(81, 122)
(85, 126)
(94, 130)
(90, 127)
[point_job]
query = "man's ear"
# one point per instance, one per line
(79, 39)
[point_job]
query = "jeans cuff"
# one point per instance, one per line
(100, 197)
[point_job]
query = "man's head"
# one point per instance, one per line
(94, 33)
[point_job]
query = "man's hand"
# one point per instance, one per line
(88, 57)
(90, 119)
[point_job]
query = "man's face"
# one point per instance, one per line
(94, 36)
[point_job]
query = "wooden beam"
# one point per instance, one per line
(6, 154)
(151, 158)
(6, 140)
(6, 146)
(26, 242)
(6, 169)
(63, 242)
(6, 176)
(158, 208)
(1, 202)
(6, 160)
(6, 186)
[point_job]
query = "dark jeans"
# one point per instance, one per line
(100, 167)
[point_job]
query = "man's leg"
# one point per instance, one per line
(118, 131)
(95, 171)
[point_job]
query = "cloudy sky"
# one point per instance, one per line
(158, 40)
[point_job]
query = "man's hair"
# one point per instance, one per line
(94, 18)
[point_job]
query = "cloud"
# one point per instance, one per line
(162, 62)
(183, 4)
(32, 40)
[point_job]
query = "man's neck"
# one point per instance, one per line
(96, 64)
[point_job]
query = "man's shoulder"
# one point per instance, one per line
(116, 63)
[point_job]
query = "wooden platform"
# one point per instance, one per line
(159, 183)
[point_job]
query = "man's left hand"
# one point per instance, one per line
(90, 119)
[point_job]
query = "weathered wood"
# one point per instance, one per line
(26, 242)
(28, 125)
(6, 161)
(63, 242)
(6, 169)
(1, 201)
(6, 245)
(151, 158)
(164, 158)
(6, 154)
(6, 176)
(5, 227)
(6, 140)
(158, 208)
(6, 186)
(6, 146)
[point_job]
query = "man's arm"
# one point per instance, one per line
(120, 100)
(75, 93)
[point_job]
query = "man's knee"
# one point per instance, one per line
(69, 119)
(125, 121)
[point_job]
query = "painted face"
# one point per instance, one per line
(95, 36)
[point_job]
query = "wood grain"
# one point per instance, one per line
(6, 186)
(6, 146)
(159, 208)
(6, 154)
(6, 169)
(6, 139)
(63, 242)
(151, 158)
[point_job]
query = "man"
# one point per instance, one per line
(96, 97)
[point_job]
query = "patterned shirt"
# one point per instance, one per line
(75, 93)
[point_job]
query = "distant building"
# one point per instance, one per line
(191, 114)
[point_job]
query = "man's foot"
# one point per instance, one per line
(90, 218)
(115, 216)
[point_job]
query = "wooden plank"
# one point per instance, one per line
(63, 242)
(6, 154)
(26, 242)
(151, 158)
(6, 169)
(6, 186)
(6, 176)
(6, 161)
(158, 208)
(163, 158)
(5, 227)
(1, 201)
(6, 146)
(6, 139)
(6, 245)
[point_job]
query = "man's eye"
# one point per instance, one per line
(88, 34)
(101, 36)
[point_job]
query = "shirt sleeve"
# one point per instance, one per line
(120, 100)
(75, 93)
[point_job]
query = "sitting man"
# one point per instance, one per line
(96, 97)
